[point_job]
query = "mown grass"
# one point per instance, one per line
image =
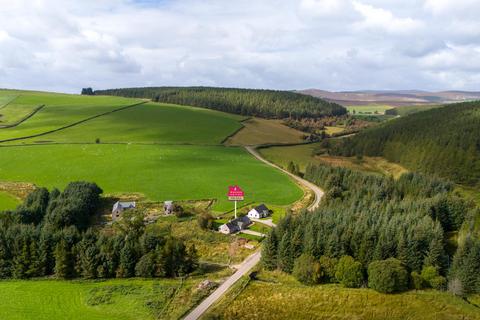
(278, 296)
(152, 123)
(60, 110)
(159, 172)
(258, 131)
(7, 201)
(135, 299)
(334, 130)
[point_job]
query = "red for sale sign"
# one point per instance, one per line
(235, 193)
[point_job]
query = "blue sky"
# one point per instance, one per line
(64, 45)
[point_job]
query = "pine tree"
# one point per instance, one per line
(63, 260)
(269, 251)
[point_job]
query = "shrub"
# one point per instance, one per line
(438, 283)
(432, 278)
(417, 281)
(205, 221)
(306, 269)
(349, 272)
(387, 276)
(327, 269)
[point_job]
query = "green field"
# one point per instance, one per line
(278, 296)
(158, 150)
(152, 123)
(112, 299)
(7, 201)
(369, 109)
(60, 110)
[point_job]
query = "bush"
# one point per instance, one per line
(349, 272)
(432, 278)
(327, 269)
(387, 276)
(417, 281)
(205, 221)
(306, 269)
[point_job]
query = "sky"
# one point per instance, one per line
(64, 45)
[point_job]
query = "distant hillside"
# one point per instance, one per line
(393, 98)
(443, 141)
(261, 103)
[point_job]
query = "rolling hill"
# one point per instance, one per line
(444, 142)
(250, 102)
(129, 146)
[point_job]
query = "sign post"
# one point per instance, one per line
(235, 193)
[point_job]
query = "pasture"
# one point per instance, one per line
(7, 201)
(280, 296)
(305, 154)
(159, 172)
(258, 131)
(130, 299)
(368, 109)
(151, 123)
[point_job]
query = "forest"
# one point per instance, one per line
(51, 234)
(375, 231)
(444, 142)
(268, 104)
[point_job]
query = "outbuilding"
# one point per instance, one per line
(121, 206)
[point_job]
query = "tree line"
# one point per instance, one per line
(248, 102)
(376, 231)
(444, 142)
(51, 234)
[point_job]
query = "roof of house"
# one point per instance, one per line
(261, 208)
(235, 223)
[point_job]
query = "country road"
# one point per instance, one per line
(316, 190)
(252, 260)
(244, 268)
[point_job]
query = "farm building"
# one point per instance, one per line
(258, 212)
(168, 207)
(235, 225)
(121, 206)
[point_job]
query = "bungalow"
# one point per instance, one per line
(259, 212)
(121, 206)
(235, 225)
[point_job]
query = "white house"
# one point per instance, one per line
(235, 225)
(121, 206)
(259, 212)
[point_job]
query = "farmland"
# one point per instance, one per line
(7, 201)
(157, 150)
(368, 109)
(285, 298)
(111, 299)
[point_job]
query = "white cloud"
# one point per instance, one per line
(285, 44)
(382, 19)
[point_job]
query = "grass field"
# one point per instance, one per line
(159, 172)
(304, 154)
(7, 201)
(133, 299)
(406, 110)
(59, 110)
(161, 151)
(334, 130)
(278, 296)
(368, 109)
(258, 131)
(152, 123)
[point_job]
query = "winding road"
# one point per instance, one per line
(253, 259)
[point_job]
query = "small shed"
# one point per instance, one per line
(121, 206)
(259, 212)
(168, 207)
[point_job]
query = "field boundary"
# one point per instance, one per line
(74, 124)
(8, 102)
(28, 116)
(236, 131)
